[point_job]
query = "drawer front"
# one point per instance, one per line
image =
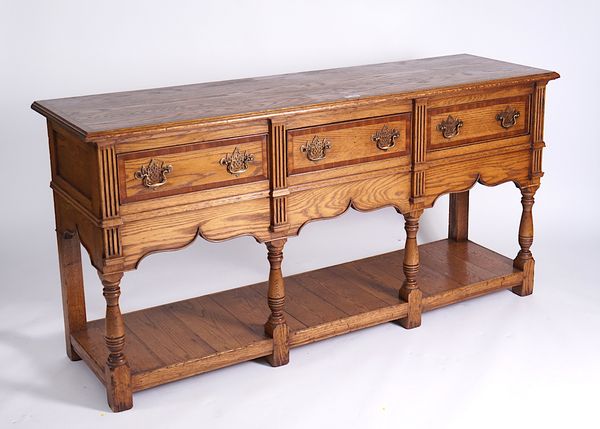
(177, 170)
(345, 143)
(478, 121)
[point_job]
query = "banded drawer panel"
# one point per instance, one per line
(180, 169)
(345, 143)
(474, 122)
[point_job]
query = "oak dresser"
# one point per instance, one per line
(139, 172)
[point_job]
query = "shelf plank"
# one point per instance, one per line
(250, 307)
(180, 339)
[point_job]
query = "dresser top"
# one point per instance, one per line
(180, 105)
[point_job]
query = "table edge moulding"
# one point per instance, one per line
(139, 172)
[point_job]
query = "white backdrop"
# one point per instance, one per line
(496, 361)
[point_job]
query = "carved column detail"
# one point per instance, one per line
(109, 189)
(536, 162)
(276, 326)
(409, 291)
(278, 176)
(419, 149)
(109, 193)
(118, 374)
(539, 96)
(279, 210)
(112, 242)
(538, 130)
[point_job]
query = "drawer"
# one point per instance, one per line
(177, 170)
(345, 143)
(478, 121)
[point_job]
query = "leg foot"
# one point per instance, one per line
(413, 318)
(118, 388)
(281, 350)
(527, 287)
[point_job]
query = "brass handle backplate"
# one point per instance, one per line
(386, 137)
(237, 162)
(316, 149)
(508, 117)
(450, 127)
(154, 174)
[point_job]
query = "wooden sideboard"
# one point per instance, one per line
(139, 172)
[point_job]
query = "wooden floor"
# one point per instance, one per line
(197, 335)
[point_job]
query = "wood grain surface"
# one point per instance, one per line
(169, 232)
(97, 114)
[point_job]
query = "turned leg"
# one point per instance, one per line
(71, 279)
(458, 222)
(118, 375)
(276, 326)
(409, 291)
(524, 260)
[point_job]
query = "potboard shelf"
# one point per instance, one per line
(181, 339)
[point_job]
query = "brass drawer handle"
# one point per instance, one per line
(237, 162)
(508, 117)
(316, 149)
(154, 175)
(386, 137)
(450, 127)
